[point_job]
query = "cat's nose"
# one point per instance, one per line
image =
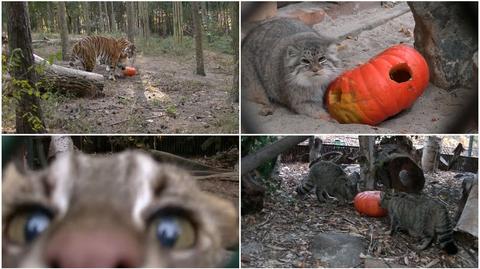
(95, 247)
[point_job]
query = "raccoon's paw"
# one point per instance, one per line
(424, 243)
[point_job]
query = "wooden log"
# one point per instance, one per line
(77, 82)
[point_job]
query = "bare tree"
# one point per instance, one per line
(28, 112)
(431, 154)
(112, 18)
(235, 33)
(130, 22)
(198, 39)
(177, 22)
(88, 21)
(367, 170)
(62, 25)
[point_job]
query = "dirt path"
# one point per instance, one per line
(164, 97)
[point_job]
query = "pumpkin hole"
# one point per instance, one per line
(400, 73)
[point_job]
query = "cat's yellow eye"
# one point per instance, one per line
(174, 232)
(26, 226)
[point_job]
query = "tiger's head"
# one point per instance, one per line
(128, 52)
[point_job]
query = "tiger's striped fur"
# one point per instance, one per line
(421, 217)
(330, 180)
(106, 50)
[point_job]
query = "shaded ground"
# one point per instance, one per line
(165, 97)
(433, 112)
(281, 234)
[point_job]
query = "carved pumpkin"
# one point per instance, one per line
(129, 71)
(368, 203)
(384, 86)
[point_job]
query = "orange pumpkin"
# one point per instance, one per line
(129, 71)
(368, 203)
(387, 84)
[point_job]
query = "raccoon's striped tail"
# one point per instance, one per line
(306, 186)
(445, 233)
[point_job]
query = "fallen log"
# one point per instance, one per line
(77, 82)
(52, 42)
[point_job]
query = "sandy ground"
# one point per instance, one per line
(431, 113)
(164, 97)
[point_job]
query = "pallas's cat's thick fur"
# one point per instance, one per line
(122, 210)
(287, 62)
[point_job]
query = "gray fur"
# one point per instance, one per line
(422, 217)
(330, 180)
(287, 62)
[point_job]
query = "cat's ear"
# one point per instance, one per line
(292, 52)
(225, 217)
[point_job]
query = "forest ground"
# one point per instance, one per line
(433, 112)
(281, 235)
(164, 97)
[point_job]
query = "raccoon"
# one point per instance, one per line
(330, 180)
(421, 217)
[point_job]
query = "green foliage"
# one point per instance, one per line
(171, 111)
(251, 144)
(221, 43)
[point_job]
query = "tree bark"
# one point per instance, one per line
(198, 39)
(130, 22)
(78, 82)
(177, 22)
(62, 25)
(28, 111)
(367, 160)
(431, 154)
(88, 21)
(235, 34)
(254, 160)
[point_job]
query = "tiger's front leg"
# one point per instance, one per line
(111, 72)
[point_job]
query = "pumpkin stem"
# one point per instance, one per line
(400, 73)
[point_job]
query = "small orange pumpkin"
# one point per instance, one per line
(368, 203)
(384, 86)
(129, 71)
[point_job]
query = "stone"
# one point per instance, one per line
(446, 35)
(337, 249)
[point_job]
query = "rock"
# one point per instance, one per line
(445, 34)
(337, 249)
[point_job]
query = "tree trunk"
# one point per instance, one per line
(78, 82)
(108, 25)
(198, 39)
(177, 22)
(62, 25)
(431, 154)
(112, 19)
(203, 5)
(254, 160)
(315, 148)
(367, 160)
(88, 21)
(130, 22)
(235, 34)
(143, 12)
(28, 111)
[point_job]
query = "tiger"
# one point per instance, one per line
(422, 217)
(105, 50)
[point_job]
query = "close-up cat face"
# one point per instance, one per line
(311, 64)
(124, 210)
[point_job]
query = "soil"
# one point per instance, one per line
(433, 112)
(281, 234)
(164, 97)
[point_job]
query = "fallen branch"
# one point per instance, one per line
(77, 82)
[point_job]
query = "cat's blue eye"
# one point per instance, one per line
(174, 232)
(35, 225)
(305, 61)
